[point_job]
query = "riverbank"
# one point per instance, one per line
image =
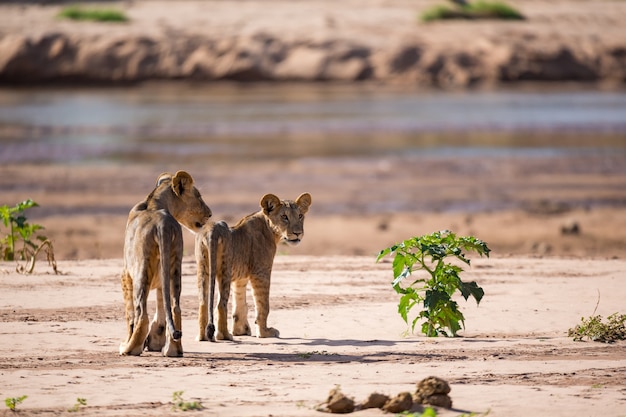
(558, 205)
(316, 40)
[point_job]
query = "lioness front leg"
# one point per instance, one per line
(240, 309)
(156, 335)
(261, 294)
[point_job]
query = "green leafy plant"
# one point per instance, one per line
(93, 14)
(474, 10)
(13, 402)
(434, 289)
(594, 329)
(18, 229)
(427, 412)
(180, 404)
(79, 402)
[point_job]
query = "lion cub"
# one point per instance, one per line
(153, 251)
(240, 254)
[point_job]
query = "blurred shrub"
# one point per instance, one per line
(96, 15)
(475, 10)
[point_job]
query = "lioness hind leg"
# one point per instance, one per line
(135, 344)
(240, 309)
(156, 335)
(174, 347)
(127, 290)
(261, 294)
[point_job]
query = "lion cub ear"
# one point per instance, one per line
(180, 182)
(269, 203)
(304, 201)
(163, 177)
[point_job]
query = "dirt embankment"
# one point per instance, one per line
(316, 40)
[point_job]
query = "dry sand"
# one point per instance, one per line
(339, 326)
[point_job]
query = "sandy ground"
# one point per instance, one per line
(333, 305)
(339, 326)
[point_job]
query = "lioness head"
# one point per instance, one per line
(184, 201)
(287, 216)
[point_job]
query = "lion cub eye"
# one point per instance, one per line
(301, 216)
(285, 218)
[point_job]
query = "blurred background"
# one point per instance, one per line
(510, 130)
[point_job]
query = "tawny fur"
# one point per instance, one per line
(153, 251)
(241, 254)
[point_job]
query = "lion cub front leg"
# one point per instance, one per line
(240, 308)
(261, 294)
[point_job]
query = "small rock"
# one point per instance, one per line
(401, 402)
(570, 228)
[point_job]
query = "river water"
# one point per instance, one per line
(170, 122)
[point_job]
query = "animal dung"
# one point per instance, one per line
(433, 391)
(430, 391)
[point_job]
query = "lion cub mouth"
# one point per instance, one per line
(293, 242)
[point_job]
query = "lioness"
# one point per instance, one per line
(245, 253)
(153, 251)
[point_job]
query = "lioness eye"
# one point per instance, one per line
(285, 218)
(301, 216)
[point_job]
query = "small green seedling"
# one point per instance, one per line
(12, 403)
(307, 355)
(434, 289)
(180, 404)
(20, 231)
(79, 402)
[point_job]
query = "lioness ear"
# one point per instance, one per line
(181, 181)
(269, 202)
(304, 201)
(163, 177)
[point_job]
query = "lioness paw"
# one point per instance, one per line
(223, 336)
(269, 332)
(240, 330)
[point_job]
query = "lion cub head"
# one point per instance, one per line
(286, 217)
(182, 199)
